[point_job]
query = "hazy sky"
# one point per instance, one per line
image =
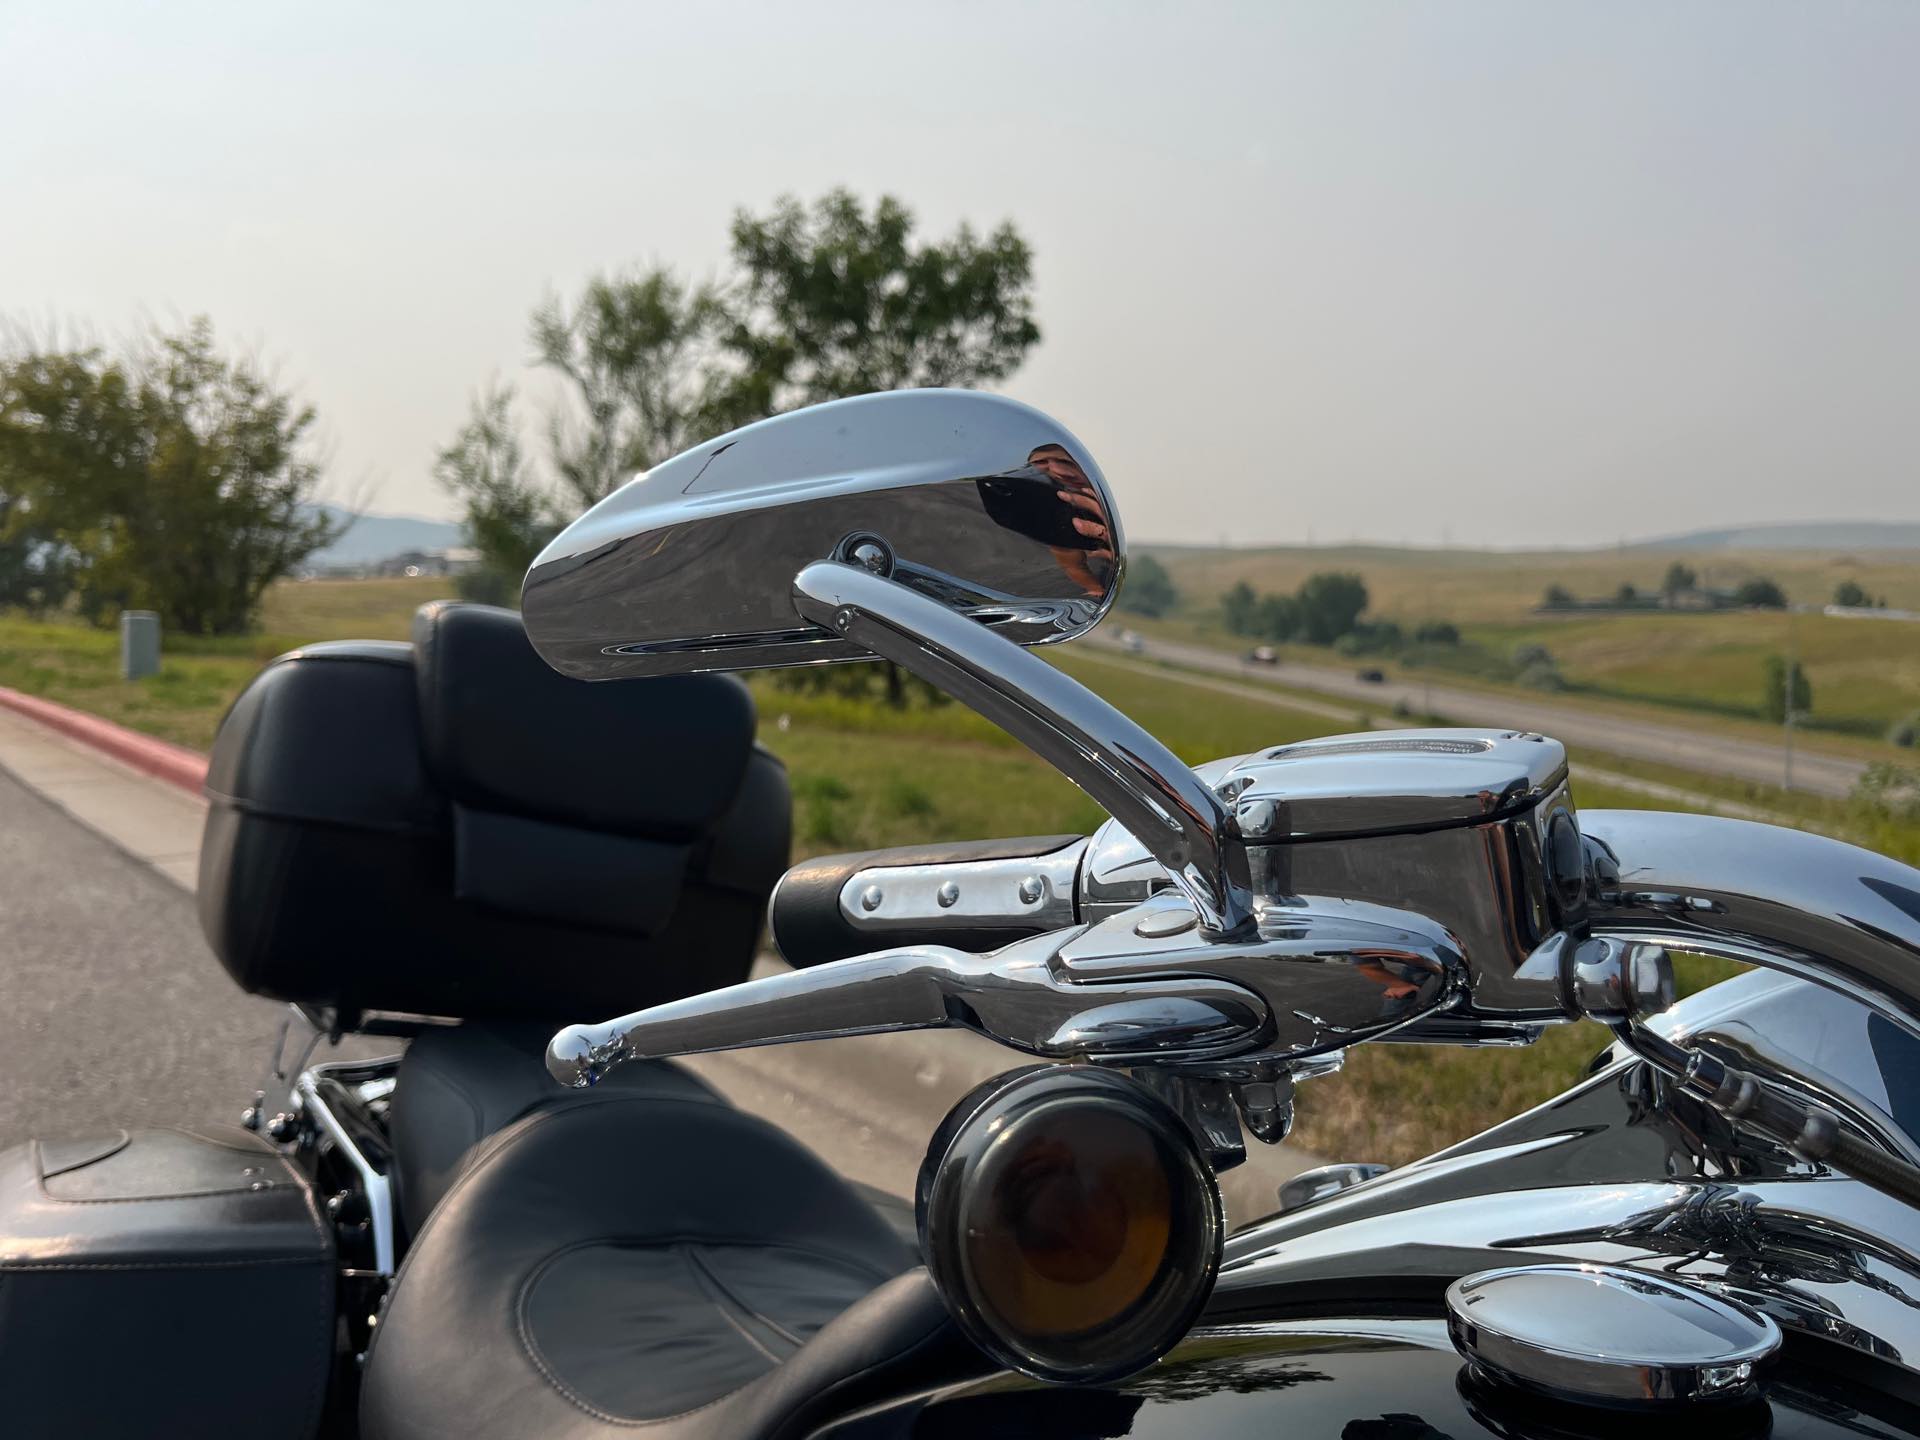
(1504, 273)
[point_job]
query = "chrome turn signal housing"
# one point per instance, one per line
(1070, 1221)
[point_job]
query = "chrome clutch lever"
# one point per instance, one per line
(1013, 995)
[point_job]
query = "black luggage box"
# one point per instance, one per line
(157, 1282)
(451, 828)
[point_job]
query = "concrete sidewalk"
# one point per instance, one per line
(866, 1104)
(156, 823)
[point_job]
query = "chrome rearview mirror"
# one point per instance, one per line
(927, 527)
(974, 501)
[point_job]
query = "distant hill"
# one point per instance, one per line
(1813, 535)
(373, 538)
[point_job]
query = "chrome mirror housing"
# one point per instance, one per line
(938, 529)
(974, 501)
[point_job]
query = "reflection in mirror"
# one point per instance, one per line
(973, 500)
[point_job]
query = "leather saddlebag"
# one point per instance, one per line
(156, 1282)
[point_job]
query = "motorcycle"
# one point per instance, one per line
(522, 1227)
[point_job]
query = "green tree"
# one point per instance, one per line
(822, 302)
(1626, 597)
(1148, 589)
(1239, 609)
(1761, 593)
(1437, 632)
(833, 301)
(639, 354)
(509, 515)
(1849, 593)
(1278, 618)
(172, 478)
(1775, 700)
(1558, 597)
(1330, 605)
(1680, 577)
(38, 570)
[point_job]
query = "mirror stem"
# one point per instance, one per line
(1131, 775)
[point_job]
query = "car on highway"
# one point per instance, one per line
(1263, 655)
(1133, 641)
(1372, 676)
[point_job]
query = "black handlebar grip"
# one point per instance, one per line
(809, 929)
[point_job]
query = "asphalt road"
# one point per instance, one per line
(1689, 744)
(112, 1010)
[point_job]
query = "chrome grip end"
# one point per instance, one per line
(580, 1054)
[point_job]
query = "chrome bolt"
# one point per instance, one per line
(1032, 890)
(871, 897)
(948, 895)
(872, 556)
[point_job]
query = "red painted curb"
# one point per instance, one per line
(174, 764)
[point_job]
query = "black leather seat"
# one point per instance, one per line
(643, 1261)
(459, 1084)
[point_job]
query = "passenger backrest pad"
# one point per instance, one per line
(452, 828)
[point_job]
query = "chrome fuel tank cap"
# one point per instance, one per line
(1606, 1335)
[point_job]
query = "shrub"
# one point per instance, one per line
(908, 800)
(1438, 632)
(1527, 657)
(1889, 791)
(1378, 637)
(1760, 593)
(1905, 732)
(1535, 667)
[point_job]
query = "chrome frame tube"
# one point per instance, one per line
(1131, 775)
(376, 1185)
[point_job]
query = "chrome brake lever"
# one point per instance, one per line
(1013, 995)
(1146, 987)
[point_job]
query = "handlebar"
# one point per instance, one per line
(973, 896)
(1010, 939)
(1820, 909)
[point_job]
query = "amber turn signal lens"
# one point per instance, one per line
(1070, 1222)
(1075, 1224)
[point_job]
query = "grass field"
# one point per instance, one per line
(866, 776)
(1865, 674)
(1497, 586)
